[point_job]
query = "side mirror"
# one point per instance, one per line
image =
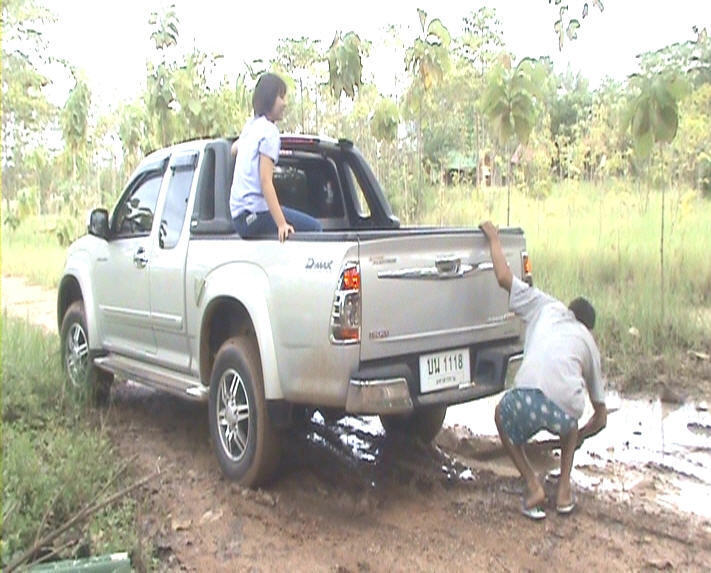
(98, 224)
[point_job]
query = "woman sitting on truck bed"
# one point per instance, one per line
(254, 205)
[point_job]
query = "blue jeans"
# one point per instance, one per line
(262, 224)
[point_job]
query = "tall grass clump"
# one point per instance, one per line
(33, 250)
(55, 458)
(602, 241)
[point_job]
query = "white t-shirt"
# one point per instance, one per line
(560, 356)
(259, 136)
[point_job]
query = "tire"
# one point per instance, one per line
(84, 378)
(424, 423)
(246, 443)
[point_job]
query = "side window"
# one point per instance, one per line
(176, 204)
(134, 215)
(361, 204)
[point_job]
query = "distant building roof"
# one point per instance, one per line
(456, 160)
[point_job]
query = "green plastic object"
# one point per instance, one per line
(112, 563)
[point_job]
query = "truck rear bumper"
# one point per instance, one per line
(379, 396)
(392, 387)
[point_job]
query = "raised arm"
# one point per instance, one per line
(501, 267)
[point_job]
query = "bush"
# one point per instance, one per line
(55, 460)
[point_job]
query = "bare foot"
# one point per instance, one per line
(565, 495)
(536, 495)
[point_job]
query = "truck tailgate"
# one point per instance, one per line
(427, 292)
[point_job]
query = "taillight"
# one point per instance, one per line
(350, 278)
(527, 268)
(345, 313)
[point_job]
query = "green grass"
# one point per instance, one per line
(55, 457)
(600, 241)
(603, 242)
(33, 251)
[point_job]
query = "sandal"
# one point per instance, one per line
(566, 509)
(535, 513)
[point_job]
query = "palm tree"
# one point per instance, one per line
(509, 102)
(427, 59)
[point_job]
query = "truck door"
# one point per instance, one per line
(121, 277)
(167, 266)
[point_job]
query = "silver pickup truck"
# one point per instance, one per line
(366, 317)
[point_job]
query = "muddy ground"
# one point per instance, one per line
(348, 498)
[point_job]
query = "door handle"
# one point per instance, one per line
(448, 266)
(140, 259)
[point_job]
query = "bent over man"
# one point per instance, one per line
(560, 362)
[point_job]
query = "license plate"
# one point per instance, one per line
(444, 370)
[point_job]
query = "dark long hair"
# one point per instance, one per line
(268, 87)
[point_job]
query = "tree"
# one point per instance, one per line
(165, 33)
(345, 66)
(653, 117)
(569, 107)
(26, 111)
(427, 59)
(481, 41)
(160, 89)
(567, 26)
(132, 133)
(691, 148)
(297, 57)
(691, 59)
(75, 121)
(509, 102)
(384, 121)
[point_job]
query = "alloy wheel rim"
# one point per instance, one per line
(77, 355)
(233, 414)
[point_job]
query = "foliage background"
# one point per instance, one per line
(605, 181)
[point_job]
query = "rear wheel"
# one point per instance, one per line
(425, 423)
(81, 373)
(245, 441)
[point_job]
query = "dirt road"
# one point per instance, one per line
(348, 498)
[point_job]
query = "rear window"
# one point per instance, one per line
(311, 186)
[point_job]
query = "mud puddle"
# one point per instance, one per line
(657, 453)
(358, 447)
(350, 453)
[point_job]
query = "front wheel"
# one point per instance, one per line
(81, 373)
(245, 441)
(425, 423)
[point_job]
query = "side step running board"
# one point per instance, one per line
(176, 383)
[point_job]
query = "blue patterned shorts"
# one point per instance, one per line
(526, 411)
